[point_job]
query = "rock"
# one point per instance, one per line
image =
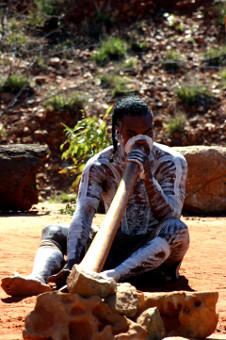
(186, 314)
(125, 301)
(135, 332)
(151, 320)
(175, 338)
(90, 283)
(205, 187)
(69, 316)
(19, 164)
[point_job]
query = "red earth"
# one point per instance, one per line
(203, 268)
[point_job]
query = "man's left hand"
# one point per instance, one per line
(141, 158)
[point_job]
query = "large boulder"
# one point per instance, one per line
(19, 164)
(205, 187)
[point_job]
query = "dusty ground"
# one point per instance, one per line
(204, 267)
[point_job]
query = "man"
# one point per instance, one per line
(151, 235)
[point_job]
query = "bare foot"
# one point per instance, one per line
(22, 286)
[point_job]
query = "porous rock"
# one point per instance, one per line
(186, 314)
(125, 300)
(205, 186)
(69, 316)
(90, 283)
(135, 332)
(151, 320)
(19, 164)
(175, 338)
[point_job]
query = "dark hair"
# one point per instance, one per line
(131, 106)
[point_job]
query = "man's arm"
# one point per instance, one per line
(166, 189)
(90, 191)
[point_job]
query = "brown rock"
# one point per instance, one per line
(175, 338)
(151, 320)
(135, 332)
(90, 283)
(205, 187)
(125, 301)
(19, 164)
(187, 314)
(69, 316)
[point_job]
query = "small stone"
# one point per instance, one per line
(151, 320)
(90, 283)
(54, 62)
(125, 301)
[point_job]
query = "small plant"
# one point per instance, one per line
(49, 7)
(175, 124)
(223, 77)
(2, 131)
(111, 49)
(172, 61)
(14, 84)
(87, 138)
(220, 11)
(118, 85)
(174, 22)
(64, 103)
(191, 95)
(130, 63)
(215, 57)
(63, 197)
(68, 210)
(137, 46)
(17, 38)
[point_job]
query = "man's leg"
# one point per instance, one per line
(49, 259)
(168, 248)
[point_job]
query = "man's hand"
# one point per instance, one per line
(139, 155)
(60, 279)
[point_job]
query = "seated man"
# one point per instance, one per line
(150, 235)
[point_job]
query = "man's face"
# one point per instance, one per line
(131, 126)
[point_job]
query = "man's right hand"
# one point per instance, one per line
(59, 280)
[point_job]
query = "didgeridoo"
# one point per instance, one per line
(97, 253)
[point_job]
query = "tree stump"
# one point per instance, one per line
(19, 164)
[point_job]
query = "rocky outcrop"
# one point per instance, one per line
(70, 316)
(188, 314)
(206, 180)
(19, 164)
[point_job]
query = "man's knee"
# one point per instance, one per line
(55, 235)
(174, 230)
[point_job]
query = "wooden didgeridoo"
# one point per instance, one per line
(97, 253)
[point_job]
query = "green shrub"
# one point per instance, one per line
(137, 46)
(130, 63)
(172, 61)
(215, 57)
(61, 103)
(111, 49)
(220, 11)
(191, 95)
(223, 77)
(117, 84)
(49, 7)
(63, 197)
(175, 124)
(174, 22)
(14, 84)
(87, 138)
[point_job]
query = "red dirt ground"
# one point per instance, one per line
(203, 269)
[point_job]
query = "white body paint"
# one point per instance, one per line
(150, 203)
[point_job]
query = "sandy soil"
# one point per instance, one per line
(203, 269)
